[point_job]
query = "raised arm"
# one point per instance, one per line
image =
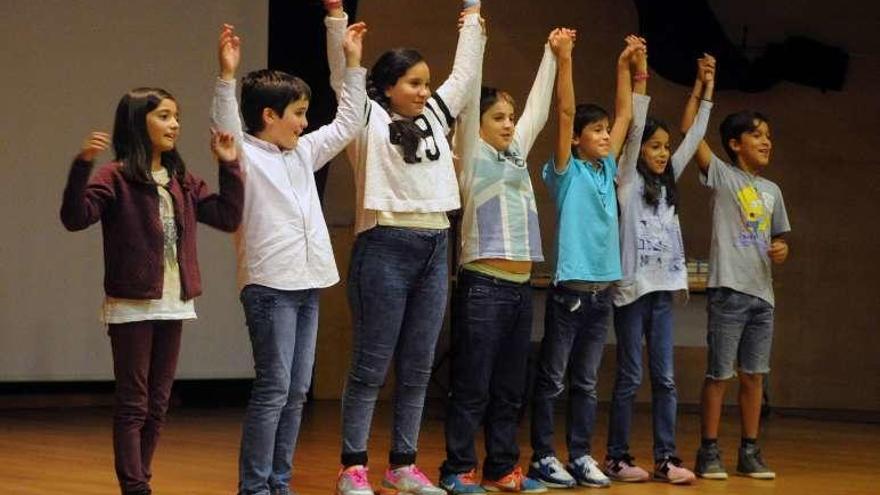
(623, 109)
(84, 202)
(454, 92)
(537, 109)
(640, 102)
(704, 86)
(224, 107)
(564, 102)
(693, 140)
(336, 23)
(224, 210)
(350, 118)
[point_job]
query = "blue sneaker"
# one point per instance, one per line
(586, 471)
(549, 471)
(461, 483)
(514, 482)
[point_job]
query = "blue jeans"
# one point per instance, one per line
(575, 327)
(283, 327)
(651, 316)
(490, 350)
(397, 288)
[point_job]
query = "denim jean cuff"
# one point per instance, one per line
(349, 459)
(401, 458)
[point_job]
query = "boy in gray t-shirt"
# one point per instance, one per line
(748, 221)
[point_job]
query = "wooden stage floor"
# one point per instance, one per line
(68, 451)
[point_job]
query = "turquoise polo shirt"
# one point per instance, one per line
(588, 239)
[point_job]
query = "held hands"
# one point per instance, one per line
(223, 146)
(706, 69)
(639, 59)
(778, 251)
(228, 52)
(93, 145)
(561, 41)
(353, 44)
(635, 53)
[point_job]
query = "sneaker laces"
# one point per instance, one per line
(515, 476)
(419, 475)
(358, 476)
(552, 462)
(469, 478)
(623, 459)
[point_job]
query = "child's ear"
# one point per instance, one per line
(269, 116)
(734, 145)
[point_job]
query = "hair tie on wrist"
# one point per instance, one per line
(640, 76)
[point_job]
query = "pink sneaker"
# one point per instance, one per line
(623, 469)
(408, 480)
(671, 471)
(353, 481)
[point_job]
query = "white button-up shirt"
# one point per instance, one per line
(283, 242)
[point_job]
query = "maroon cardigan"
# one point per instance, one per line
(133, 235)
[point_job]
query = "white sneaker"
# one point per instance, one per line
(586, 472)
(408, 480)
(551, 472)
(353, 481)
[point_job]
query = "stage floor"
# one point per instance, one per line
(69, 451)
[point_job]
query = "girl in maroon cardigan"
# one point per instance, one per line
(148, 205)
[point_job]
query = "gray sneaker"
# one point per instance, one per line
(751, 464)
(709, 464)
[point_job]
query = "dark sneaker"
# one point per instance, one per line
(751, 464)
(670, 470)
(549, 471)
(623, 468)
(709, 464)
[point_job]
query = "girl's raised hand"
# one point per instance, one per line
(706, 68)
(94, 144)
(334, 7)
(228, 52)
(223, 146)
(353, 44)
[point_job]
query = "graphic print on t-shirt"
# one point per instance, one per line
(756, 209)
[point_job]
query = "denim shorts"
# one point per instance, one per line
(740, 333)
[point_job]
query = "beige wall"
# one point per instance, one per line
(824, 159)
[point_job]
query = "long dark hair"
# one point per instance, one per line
(131, 141)
(654, 183)
(387, 70)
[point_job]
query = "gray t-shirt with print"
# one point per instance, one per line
(747, 212)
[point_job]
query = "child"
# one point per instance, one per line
(148, 205)
(581, 180)
(500, 240)
(654, 269)
(397, 281)
(283, 246)
(748, 222)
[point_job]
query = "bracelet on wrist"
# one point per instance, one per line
(640, 76)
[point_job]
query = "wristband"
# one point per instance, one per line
(640, 76)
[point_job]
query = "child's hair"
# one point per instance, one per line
(490, 96)
(269, 89)
(587, 113)
(736, 124)
(390, 67)
(131, 140)
(654, 183)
